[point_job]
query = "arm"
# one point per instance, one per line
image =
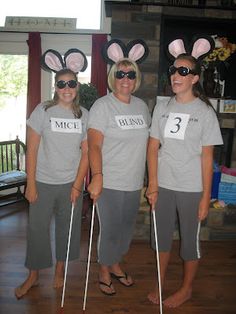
(152, 162)
(207, 171)
(77, 187)
(95, 141)
(33, 140)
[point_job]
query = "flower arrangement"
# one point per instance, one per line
(223, 50)
(215, 66)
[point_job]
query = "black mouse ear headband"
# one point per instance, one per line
(199, 49)
(115, 50)
(73, 59)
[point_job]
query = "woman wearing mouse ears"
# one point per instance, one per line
(118, 130)
(180, 165)
(56, 163)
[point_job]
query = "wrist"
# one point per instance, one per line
(77, 189)
(152, 192)
(97, 174)
(31, 180)
(152, 188)
(153, 184)
(206, 195)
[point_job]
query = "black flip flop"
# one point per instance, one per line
(106, 285)
(119, 278)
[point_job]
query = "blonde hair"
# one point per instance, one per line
(75, 104)
(127, 63)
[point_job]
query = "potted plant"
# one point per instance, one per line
(88, 94)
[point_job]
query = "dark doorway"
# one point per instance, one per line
(186, 28)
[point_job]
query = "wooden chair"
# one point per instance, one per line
(12, 171)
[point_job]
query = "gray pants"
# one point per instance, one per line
(117, 212)
(52, 199)
(185, 204)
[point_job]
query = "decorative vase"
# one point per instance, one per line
(217, 90)
(209, 81)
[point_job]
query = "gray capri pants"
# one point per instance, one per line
(52, 199)
(185, 204)
(117, 212)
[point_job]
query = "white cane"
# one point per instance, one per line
(157, 259)
(89, 257)
(67, 257)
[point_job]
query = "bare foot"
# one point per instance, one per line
(58, 282)
(30, 282)
(178, 298)
(59, 275)
(153, 296)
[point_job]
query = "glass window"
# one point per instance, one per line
(13, 93)
(81, 10)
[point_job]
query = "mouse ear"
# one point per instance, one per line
(137, 50)
(113, 51)
(176, 47)
(75, 60)
(202, 47)
(52, 60)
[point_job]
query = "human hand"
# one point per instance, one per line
(95, 187)
(152, 195)
(75, 193)
(31, 192)
(203, 208)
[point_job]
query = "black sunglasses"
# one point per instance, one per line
(183, 71)
(62, 84)
(121, 74)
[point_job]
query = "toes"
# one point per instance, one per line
(153, 297)
(58, 282)
(19, 293)
(22, 290)
(106, 288)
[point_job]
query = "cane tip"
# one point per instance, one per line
(61, 310)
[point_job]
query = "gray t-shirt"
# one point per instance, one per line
(59, 149)
(125, 129)
(182, 130)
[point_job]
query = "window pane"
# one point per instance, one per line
(13, 89)
(81, 10)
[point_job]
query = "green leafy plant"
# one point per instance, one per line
(88, 94)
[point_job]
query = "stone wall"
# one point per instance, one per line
(219, 225)
(130, 20)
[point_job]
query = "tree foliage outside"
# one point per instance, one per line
(13, 76)
(13, 95)
(87, 94)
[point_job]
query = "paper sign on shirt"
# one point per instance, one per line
(127, 122)
(176, 125)
(66, 125)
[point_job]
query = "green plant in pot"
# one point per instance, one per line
(87, 94)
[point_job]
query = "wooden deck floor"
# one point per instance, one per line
(214, 290)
